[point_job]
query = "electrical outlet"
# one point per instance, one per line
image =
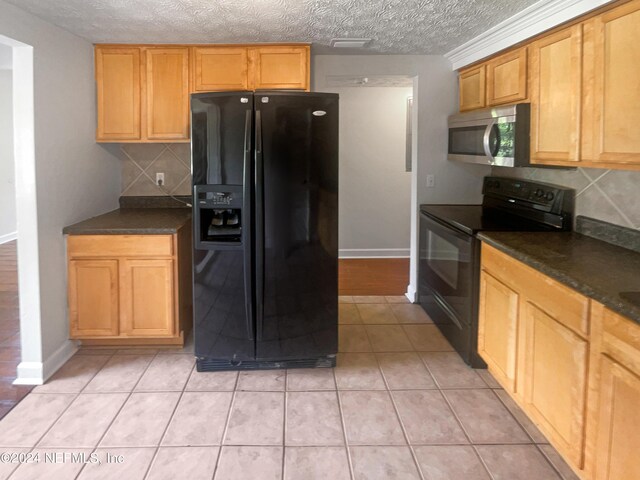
(431, 181)
(160, 178)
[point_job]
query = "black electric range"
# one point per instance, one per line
(449, 254)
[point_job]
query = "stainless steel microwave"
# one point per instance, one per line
(492, 136)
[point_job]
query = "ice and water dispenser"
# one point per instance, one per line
(218, 215)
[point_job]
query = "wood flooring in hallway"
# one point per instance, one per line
(10, 395)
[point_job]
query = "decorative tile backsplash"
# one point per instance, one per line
(141, 162)
(609, 195)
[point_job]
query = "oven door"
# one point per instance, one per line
(447, 268)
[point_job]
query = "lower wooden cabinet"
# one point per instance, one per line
(553, 363)
(498, 328)
(147, 306)
(572, 365)
(93, 298)
(533, 335)
(124, 294)
(614, 406)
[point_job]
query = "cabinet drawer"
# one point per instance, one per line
(562, 303)
(558, 301)
(119, 246)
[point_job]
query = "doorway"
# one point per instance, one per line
(20, 337)
(376, 158)
(10, 352)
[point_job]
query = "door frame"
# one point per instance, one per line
(30, 368)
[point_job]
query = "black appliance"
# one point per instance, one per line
(265, 227)
(449, 252)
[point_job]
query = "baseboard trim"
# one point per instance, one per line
(373, 253)
(36, 373)
(59, 358)
(8, 237)
(29, 373)
(411, 294)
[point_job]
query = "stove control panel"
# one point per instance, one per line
(533, 195)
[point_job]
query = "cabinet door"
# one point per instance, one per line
(556, 80)
(93, 298)
(279, 68)
(167, 93)
(147, 297)
(118, 93)
(507, 77)
(472, 88)
(614, 80)
(497, 329)
(219, 68)
(618, 423)
(555, 380)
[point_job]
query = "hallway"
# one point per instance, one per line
(9, 329)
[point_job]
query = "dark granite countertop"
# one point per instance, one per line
(133, 221)
(597, 269)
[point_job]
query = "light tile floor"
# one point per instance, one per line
(399, 405)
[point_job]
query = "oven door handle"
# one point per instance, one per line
(485, 141)
(447, 310)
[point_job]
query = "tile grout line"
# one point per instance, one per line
(514, 417)
(482, 462)
(77, 395)
(284, 425)
(400, 421)
(546, 457)
(164, 433)
(344, 426)
(226, 424)
(95, 449)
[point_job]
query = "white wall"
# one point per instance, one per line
(436, 99)
(75, 177)
(375, 188)
(7, 177)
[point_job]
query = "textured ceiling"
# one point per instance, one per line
(396, 26)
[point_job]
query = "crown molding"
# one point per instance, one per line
(531, 21)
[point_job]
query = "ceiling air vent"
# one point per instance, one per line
(350, 42)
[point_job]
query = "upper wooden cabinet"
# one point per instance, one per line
(472, 88)
(582, 81)
(118, 93)
(143, 90)
(167, 93)
(279, 67)
(612, 77)
(555, 74)
(219, 68)
(507, 78)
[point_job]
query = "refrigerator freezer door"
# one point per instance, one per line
(222, 132)
(296, 225)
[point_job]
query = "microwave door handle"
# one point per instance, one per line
(485, 142)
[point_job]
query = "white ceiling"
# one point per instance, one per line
(396, 26)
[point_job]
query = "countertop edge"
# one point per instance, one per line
(180, 218)
(619, 305)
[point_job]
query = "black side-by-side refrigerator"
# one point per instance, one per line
(265, 226)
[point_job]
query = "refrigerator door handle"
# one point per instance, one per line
(259, 226)
(246, 241)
